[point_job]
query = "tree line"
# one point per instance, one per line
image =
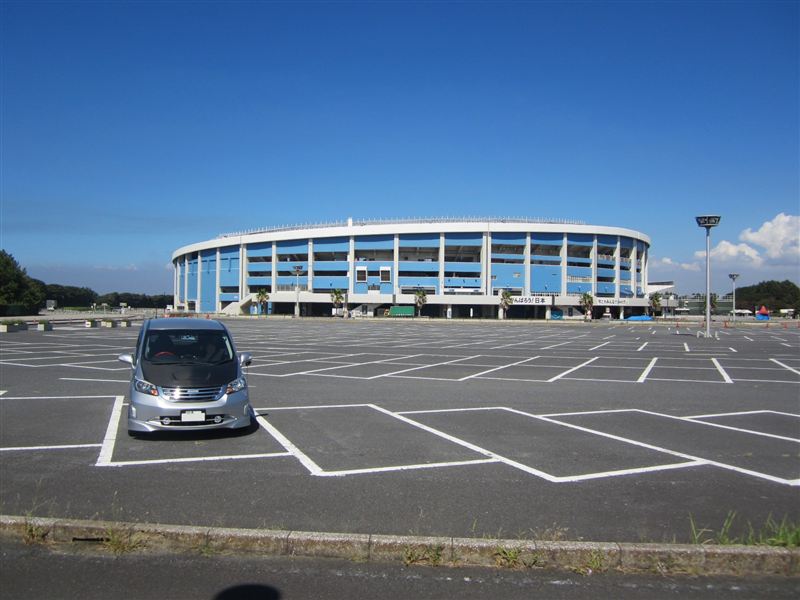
(21, 294)
(772, 294)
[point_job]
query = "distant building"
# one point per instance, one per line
(462, 265)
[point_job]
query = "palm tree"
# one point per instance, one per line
(420, 299)
(505, 301)
(587, 303)
(655, 302)
(262, 297)
(337, 298)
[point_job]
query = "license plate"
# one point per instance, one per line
(193, 416)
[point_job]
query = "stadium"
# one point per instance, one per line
(462, 267)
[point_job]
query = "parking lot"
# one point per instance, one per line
(606, 431)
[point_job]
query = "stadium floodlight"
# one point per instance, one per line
(707, 222)
(733, 277)
(297, 270)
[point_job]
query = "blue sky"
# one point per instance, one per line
(131, 129)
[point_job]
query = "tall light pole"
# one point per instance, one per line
(733, 277)
(708, 221)
(297, 271)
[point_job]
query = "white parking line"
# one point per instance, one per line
(309, 464)
(647, 370)
(686, 347)
(555, 345)
(101, 380)
(371, 362)
(448, 362)
(62, 447)
(163, 461)
(110, 439)
(599, 346)
(568, 371)
(777, 362)
(497, 368)
(689, 457)
(640, 348)
(722, 372)
(742, 412)
(477, 461)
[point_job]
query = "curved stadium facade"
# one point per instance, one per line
(463, 265)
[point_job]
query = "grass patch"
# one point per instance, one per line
(513, 558)
(121, 540)
(33, 533)
(783, 533)
(423, 555)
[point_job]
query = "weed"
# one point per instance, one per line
(507, 557)
(33, 533)
(206, 546)
(121, 540)
(596, 562)
(430, 555)
(698, 535)
(773, 533)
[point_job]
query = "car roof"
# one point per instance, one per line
(185, 323)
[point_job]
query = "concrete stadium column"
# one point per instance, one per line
(217, 305)
(198, 304)
(274, 267)
(441, 262)
(351, 263)
(617, 281)
(486, 254)
(645, 266)
(395, 267)
(564, 254)
(310, 275)
(242, 269)
(186, 280)
(526, 263)
(175, 283)
(594, 265)
(634, 258)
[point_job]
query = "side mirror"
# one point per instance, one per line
(245, 358)
(126, 358)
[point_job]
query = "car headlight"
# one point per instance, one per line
(145, 387)
(236, 385)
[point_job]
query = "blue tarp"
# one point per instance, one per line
(640, 318)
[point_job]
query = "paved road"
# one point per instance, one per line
(34, 572)
(595, 432)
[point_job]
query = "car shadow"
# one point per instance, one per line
(202, 435)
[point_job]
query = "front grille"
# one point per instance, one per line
(176, 421)
(207, 394)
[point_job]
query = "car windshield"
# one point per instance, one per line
(187, 347)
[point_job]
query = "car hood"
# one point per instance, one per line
(190, 375)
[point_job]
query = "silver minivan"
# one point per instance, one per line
(186, 375)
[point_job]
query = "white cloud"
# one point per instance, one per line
(668, 263)
(726, 252)
(780, 237)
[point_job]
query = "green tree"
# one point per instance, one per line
(420, 299)
(772, 294)
(69, 295)
(506, 300)
(262, 297)
(655, 302)
(16, 287)
(587, 303)
(337, 298)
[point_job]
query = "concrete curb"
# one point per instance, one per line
(581, 557)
